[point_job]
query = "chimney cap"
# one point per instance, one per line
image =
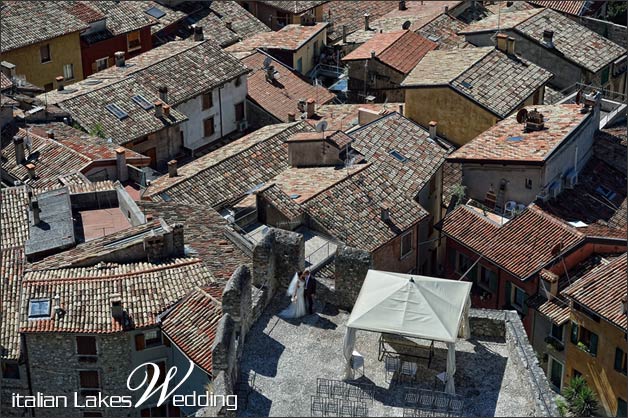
(163, 88)
(433, 123)
(172, 162)
(502, 35)
(30, 166)
(311, 100)
(59, 78)
(120, 150)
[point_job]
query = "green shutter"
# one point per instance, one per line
(508, 291)
(525, 303)
(593, 345)
(619, 357)
(492, 281)
(574, 333)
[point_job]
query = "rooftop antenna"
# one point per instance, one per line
(28, 141)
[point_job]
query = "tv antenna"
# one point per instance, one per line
(522, 116)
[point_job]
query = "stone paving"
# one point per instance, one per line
(288, 356)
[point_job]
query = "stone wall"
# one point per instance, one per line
(612, 31)
(352, 265)
(8, 387)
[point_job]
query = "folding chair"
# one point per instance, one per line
(408, 370)
(456, 404)
(322, 387)
(353, 392)
(441, 403)
(411, 397)
(330, 407)
(367, 392)
(361, 410)
(338, 389)
(316, 406)
(426, 399)
(347, 408)
(393, 365)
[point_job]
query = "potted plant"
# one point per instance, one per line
(581, 400)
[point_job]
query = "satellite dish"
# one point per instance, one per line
(321, 126)
(579, 96)
(522, 115)
(406, 25)
(267, 62)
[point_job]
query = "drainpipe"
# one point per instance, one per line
(220, 108)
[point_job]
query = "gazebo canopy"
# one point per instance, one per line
(411, 305)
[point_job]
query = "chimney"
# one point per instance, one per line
(198, 33)
(291, 117)
(229, 25)
(370, 99)
(163, 94)
(270, 73)
(51, 134)
(119, 57)
(122, 170)
(548, 38)
(502, 41)
(116, 307)
(310, 108)
(18, 142)
(344, 34)
(154, 247)
(166, 110)
(59, 80)
(172, 168)
(30, 167)
(35, 211)
(511, 45)
(372, 53)
(178, 240)
(433, 125)
(446, 9)
(400, 110)
(159, 109)
(366, 21)
(402, 5)
(385, 214)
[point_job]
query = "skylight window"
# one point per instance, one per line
(467, 84)
(156, 13)
(39, 309)
(117, 111)
(515, 138)
(142, 101)
(398, 156)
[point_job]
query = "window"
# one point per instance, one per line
(133, 40)
(605, 75)
(406, 244)
(207, 101)
(300, 65)
(585, 339)
(462, 263)
(44, 53)
(143, 102)
(10, 370)
(557, 332)
(89, 382)
(518, 298)
(555, 373)
(432, 186)
(487, 279)
(622, 411)
(576, 373)
(152, 338)
(208, 127)
(315, 50)
(162, 372)
(238, 81)
(101, 64)
(68, 71)
(239, 111)
(117, 111)
(39, 309)
(86, 346)
(620, 360)
(528, 183)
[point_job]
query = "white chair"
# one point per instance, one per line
(509, 209)
(357, 361)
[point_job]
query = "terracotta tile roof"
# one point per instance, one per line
(243, 23)
(14, 220)
(26, 23)
(552, 96)
(70, 151)
(191, 325)
(231, 171)
(6, 101)
(620, 218)
(556, 310)
(351, 14)
(204, 234)
(281, 201)
(214, 27)
(571, 40)
(187, 68)
(5, 82)
(496, 81)
(295, 7)
(576, 8)
(281, 96)
(11, 273)
(452, 177)
(496, 143)
(290, 37)
(343, 117)
(89, 110)
(82, 11)
(521, 246)
(444, 31)
(122, 17)
(146, 290)
(400, 50)
(602, 290)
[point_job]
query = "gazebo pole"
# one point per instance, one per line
(348, 345)
(451, 368)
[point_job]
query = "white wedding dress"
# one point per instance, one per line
(297, 308)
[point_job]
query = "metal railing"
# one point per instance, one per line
(324, 252)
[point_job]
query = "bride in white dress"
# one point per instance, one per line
(297, 308)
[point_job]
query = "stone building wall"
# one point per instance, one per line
(8, 387)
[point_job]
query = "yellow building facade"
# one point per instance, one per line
(43, 61)
(304, 58)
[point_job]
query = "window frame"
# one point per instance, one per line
(578, 336)
(162, 371)
(550, 362)
(64, 72)
(88, 391)
(158, 339)
(235, 111)
(513, 298)
(619, 413)
(7, 367)
(403, 254)
(468, 263)
(623, 360)
(129, 41)
(207, 98)
(94, 354)
(41, 57)
(32, 316)
(213, 127)
(105, 59)
(562, 332)
(487, 285)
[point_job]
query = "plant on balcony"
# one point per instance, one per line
(581, 399)
(583, 346)
(553, 343)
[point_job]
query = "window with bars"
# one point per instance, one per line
(89, 382)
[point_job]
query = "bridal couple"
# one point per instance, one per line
(302, 290)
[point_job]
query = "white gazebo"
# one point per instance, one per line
(412, 306)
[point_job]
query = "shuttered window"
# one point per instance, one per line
(208, 127)
(207, 101)
(86, 346)
(140, 343)
(89, 379)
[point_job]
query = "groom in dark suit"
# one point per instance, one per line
(310, 291)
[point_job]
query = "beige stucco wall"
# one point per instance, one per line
(63, 50)
(306, 52)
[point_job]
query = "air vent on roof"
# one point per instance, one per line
(295, 196)
(142, 101)
(398, 156)
(92, 82)
(156, 13)
(117, 111)
(433, 38)
(67, 91)
(467, 84)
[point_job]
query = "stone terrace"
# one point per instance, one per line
(288, 356)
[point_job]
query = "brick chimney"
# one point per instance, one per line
(385, 213)
(18, 142)
(163, 93)
(166, 109)
(172, 168)
(154, 247)
(310, 108)
(433, 125)
(548, 38)
(178, 240)
(122, 171)
(117, 312)
(502, 42)
(511, 45)
(30, 167)
(51, 134)
(35, 212)
(291, 117)
(400, 110)
(59, 80)
(198, 33)
(366, 21)
(119, 58)
(159, 109)
(402, 5)
(229, 25)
